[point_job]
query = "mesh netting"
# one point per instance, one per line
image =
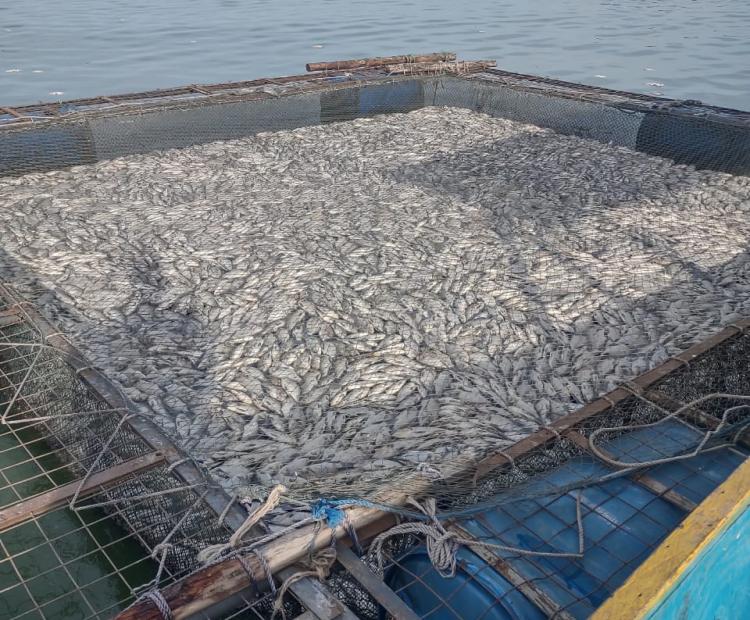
(336, 306)
(382, 305)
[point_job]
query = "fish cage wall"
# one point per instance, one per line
(39, 138)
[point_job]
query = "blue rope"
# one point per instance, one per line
(332, 510)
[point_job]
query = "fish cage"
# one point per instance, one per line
(400, 337)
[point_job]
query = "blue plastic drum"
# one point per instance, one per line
(477, 590)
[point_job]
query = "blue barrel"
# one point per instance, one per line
(477, 591)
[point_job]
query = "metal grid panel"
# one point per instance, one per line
(87, 562)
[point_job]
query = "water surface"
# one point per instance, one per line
(52, 50)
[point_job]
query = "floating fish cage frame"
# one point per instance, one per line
(134, 507)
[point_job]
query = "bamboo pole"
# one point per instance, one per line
(361, 63)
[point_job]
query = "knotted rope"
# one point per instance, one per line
(320, 566)
(212, 552)
(443, 545)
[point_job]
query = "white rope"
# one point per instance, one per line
(443, 545)
(157, 598)
(212, 552)
(698, 449)
(320, 566)
(227, 508)
(84, 480)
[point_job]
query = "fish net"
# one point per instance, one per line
(366, 288)
(334, 306)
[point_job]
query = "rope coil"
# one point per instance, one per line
(443, 545)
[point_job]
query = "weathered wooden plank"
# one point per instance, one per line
(646, 481)
(9, 317)
(39, 504)
(361, 63)
(458, 67)
(317, 597)
(390, 601)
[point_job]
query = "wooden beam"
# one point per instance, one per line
(316, 597)
(39, 504)
(646, 481)
(458, 67)
(9, 317)
(362, 63)
(387, 598)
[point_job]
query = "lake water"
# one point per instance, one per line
(52, 50)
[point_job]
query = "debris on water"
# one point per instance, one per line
(338, 306)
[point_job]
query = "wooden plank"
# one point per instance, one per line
(317, 597)
(361, 63)
(389, 600)
(8, 318)
(458, 67)
(527, 587)
(39, 504)
(661, 570)
(12, 112)
(643, 479)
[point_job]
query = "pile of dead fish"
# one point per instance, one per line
(339, 306)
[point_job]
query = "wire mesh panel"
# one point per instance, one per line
(84, 499)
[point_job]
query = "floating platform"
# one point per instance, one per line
(569, 522)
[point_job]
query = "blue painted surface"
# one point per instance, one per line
(716, 584)
(623, 523)
(475, 591)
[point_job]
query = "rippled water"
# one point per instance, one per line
(682, 48)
